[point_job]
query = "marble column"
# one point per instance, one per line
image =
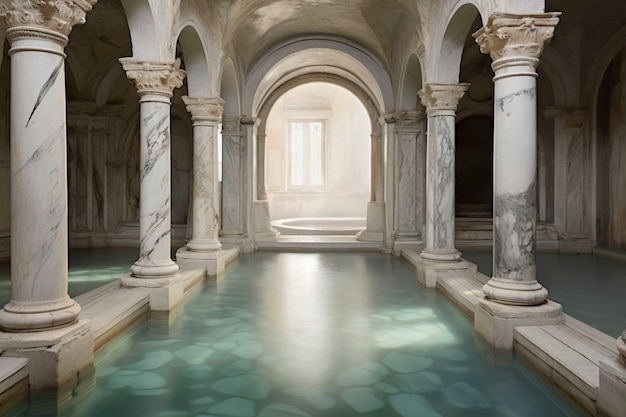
(409, 178)
(155, 82)
(232, 207)
(206, 114)
(38, 33)
(515, 44)
(441, 101)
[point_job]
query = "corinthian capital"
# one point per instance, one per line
(442, 97)
(53, 15)
(154, 78)
(204, 109)
(509, 35)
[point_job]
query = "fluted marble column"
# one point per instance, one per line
(206, 114)
(515, 44)
(38, 34)
(155, 82)
(441, 101)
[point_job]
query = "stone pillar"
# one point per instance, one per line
(515, 44)
(441, 101)
(409, 175)
(60, 345)
(155, 82)
(206, 114)
(232, 207)
(38, 34)
(375, 221)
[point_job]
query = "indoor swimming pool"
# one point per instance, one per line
(305, 334)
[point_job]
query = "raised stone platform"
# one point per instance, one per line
(581, 361)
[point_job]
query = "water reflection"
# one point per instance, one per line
(286, 335)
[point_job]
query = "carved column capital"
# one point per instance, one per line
(515, 36)
(154, 78)
(440, 99)
(409, 121)
(204, 109)
(52, 19)
(231, 125)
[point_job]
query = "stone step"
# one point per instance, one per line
(109, 318)
(567, 355)
(13, 382)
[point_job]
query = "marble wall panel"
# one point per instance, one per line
(571, 175)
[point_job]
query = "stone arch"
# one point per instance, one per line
(447, 65)
(195, 61)
(143, 30)
(229, 89)
(411, 83)
(365, 99)
(310, 55)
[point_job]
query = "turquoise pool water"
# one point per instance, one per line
(297, 335)
(589, 288)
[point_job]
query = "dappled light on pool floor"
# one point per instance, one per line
(319, 335)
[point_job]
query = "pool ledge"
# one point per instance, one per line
(580, 360)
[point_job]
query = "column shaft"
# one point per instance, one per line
(38, 187)
(441, 101)
(154, 82)
(515, 44)
(206, 114)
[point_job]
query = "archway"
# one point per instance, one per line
(317, 138)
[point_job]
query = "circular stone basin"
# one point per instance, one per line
(320, 225)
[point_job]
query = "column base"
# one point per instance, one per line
(427, 272)
(611, 400)
(15, 317)
(263, 229)
(496, 322)
(154, 270)
(507, 291)
(55, 356)
(374, 228)
(441, 255)
(165, 293)
(204, 245)
(213, 262)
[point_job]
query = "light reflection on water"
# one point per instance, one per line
(289, 335)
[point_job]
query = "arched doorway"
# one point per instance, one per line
(317, 142)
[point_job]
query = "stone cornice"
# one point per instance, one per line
(154, 78)
(57, 16)
(442, 97)
(509, 35)
(204, 109)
